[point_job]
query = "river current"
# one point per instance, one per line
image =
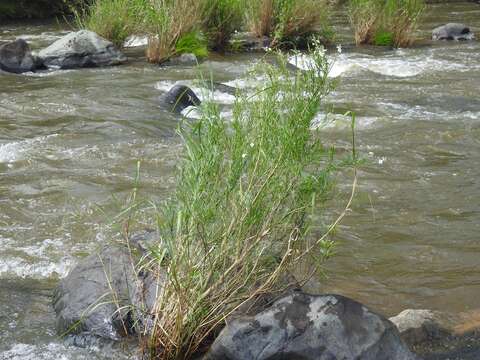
(70, 142)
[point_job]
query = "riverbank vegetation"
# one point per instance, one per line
(385, 22)
(239, 219)
(211, 24)
(289, 23)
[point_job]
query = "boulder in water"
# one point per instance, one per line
(94, 297)
(452, 31)
(187, 59)
(310, 327)
(16, 57)
(178, 98)
(81, 49)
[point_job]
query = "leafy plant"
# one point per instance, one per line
(193, 42)
(239, 218)
(383, 38)
(220, 19)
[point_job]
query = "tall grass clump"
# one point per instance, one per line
(220, 19)
(402, 17)
(385, 22)
(289, 23)
(239, 218)
(167, 22)
(114, 20)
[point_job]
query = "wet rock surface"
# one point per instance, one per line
(182, 60)
(94, 298)
(417, 326)
(16, 57)
(249, 42)
(178, 98)
(452, 31)
(302, 326)
(81, 49)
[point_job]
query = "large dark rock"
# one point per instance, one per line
(16, 57)
(308, 327)
(81, 49)
(452, 31)
(178, 98)
(94, 298)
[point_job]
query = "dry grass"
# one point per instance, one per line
(166, 22)
(398, 18)
(288, 21)
(260, 20)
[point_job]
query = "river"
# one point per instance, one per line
(70, 142)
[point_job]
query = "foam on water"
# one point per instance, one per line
(57, 351)
(398, 64)
(20, 150)
(135, 41)
(39, 263)
(40, 269)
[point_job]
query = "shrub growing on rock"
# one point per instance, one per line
(239, 218)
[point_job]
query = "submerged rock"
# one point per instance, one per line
(81, 49)
(182, 60)
(452, 31)
(94, 298)
(16, 57)
(178, 98)
(309, 327)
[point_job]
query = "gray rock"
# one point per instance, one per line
(81, 49)
(418, 326)
(16, 57)
(249, 42)
(452, 31)
(183, 60)
(178, 98)
(94, 298)
(308, 327)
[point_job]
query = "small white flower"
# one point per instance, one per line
(244, 156)
(252, 145)
(339, 48)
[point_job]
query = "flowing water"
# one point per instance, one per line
(70, 142)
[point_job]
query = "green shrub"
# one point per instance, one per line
(290, 23)
(365, 18)
(193, 42)
(402, 17)
(166, 22)
(373, 19)
(220, 19)
(239, 218)
(383, 38)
